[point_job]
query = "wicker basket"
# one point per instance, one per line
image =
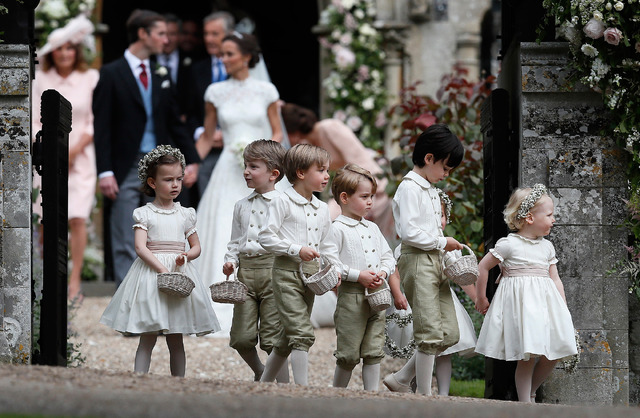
(322, 281)
(380, 300)
(464, 270)
(229, 291)
(176, 283)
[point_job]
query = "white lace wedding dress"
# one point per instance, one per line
(241, 108)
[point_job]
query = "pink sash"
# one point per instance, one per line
(165, 246)
(523, 270)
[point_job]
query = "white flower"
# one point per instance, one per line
(165, 84)
(594, 29)
(608, 6)
(162, 71)
(618, 6)
(187, 61)
(336, 34)
(589, 50)
(359, 14)
(354, 122)
(55, 9)
(368, 103)
(367, 30)
(598, 15)
(375, 74)
(344, 57)
(357, 86)
(346, 39)
(344, 93)
(347, 4)
(340, 115)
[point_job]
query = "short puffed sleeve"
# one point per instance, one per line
(141, 218)
(552, 254)
(502, 250)
(212, 94)
(190, 221)
(270, 93)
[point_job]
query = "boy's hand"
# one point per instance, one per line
(401, 302)
(369, 279)
(308, 254)
(227, 268)
(482, 305)
(452, 244)
(335, 289)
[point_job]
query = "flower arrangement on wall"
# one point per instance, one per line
(54, 14)
(355, 85)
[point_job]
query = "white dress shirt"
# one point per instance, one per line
(295, 222)
(361, 246)
(249, 217)
(417, 212)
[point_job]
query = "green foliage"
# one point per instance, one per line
(467, 388)
(54, 14)
(456, 104)
(75, 358)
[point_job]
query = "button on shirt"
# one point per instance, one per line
(296, 222)
(361, 246)
(249, 217)
(417, 212)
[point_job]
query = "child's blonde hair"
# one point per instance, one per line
(301, 157)
(271, 152)
(347, 179)
(514, 213)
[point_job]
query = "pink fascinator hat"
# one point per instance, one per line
(75, 31)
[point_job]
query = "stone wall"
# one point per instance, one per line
(15, 204)
(562, 147)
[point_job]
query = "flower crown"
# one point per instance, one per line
(444, 198)
(152, 156)
(537, 192)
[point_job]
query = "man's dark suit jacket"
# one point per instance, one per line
(120, 118)
(183, 80)
(198, 82)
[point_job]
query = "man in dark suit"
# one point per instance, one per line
(134, 111)
(209, 70)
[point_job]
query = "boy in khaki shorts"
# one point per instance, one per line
(296, 232)
(417, 213)
(366, 262)
(258, 316)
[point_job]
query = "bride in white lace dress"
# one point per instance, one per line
(246, 110)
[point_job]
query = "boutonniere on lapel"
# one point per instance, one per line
(187, 61)
(161, 71)
(165, 84)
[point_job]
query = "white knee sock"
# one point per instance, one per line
(299, 367)
(177, 358)
(283, 374)
(523, 376)
(424, 372)
(251, 358)
(443, 374)
(143, 353)
(341, 377)
(273, 366)
(371, 376)
(407, 372)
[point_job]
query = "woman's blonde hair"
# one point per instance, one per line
(301, 157)
(513, 207)
(347, 179)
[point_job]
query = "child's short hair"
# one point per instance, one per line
(347, 179)
(512, 209)
(301, 157)
(441, 142)
(271, 152)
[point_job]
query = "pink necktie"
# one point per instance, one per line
(143, 76)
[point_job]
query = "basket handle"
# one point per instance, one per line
(366, 289)
(323, 260)
(180, 269)
(464, 246)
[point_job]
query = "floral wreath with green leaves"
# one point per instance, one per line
(402, 321)
(152, 157)
(446, 200)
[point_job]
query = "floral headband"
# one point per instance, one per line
(152, 156)
(444, 198)
(537, 192)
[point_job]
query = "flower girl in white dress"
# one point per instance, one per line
(160, 229)
(528, 316)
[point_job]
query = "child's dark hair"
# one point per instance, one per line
(347, 179)
(271, 152)
(152, 170)
(441, 142)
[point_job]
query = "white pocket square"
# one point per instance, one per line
(165, 84)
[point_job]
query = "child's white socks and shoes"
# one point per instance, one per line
(299, 367)
(443, 374)
(371, 376)
(253, 361)
(424, 372)
(273, 366)
(341, 377)
(283, 374)
(400, 381)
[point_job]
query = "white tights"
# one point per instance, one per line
(529, 376)
(177, 358)
(443, 374)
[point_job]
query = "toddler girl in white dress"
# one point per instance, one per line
(528, 316)
(160, 229)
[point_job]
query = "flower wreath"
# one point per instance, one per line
(570, 364)
(393, 349)
(536, 193)
(152, 156)
(444, 198)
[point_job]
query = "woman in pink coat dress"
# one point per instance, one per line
(63, 68)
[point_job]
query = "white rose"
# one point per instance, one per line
(589, 50)
(368, 103)
(346, 39)
(344, 57)
(618, 6)
(55, 9)
(354, 123)
(347, 4)
(594, 29)
(359, 14)
(340, 115)
(344, 93)
(598, 15)
(336, 34)
(357, 85)
(608, 6)
(375, 74)
(367, 30)
(161, 71)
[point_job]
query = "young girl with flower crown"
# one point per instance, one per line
(528, 320)
(160, 230)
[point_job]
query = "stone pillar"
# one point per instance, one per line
(562, 147)
(15, 204)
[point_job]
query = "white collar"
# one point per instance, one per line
(421, 181)
(301, 200)
(134, 62)
(350, 221)
(267, 196)
(525, 239)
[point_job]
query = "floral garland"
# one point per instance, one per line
(355, 85)
(54, 14)
(529, 202)
(571, 364)
(392, 348)
(152, 156)
(444, 198)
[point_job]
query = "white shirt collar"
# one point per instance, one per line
(134, 63)
(268, 196)
(421, 181)
(350, 221)
(301, 200)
